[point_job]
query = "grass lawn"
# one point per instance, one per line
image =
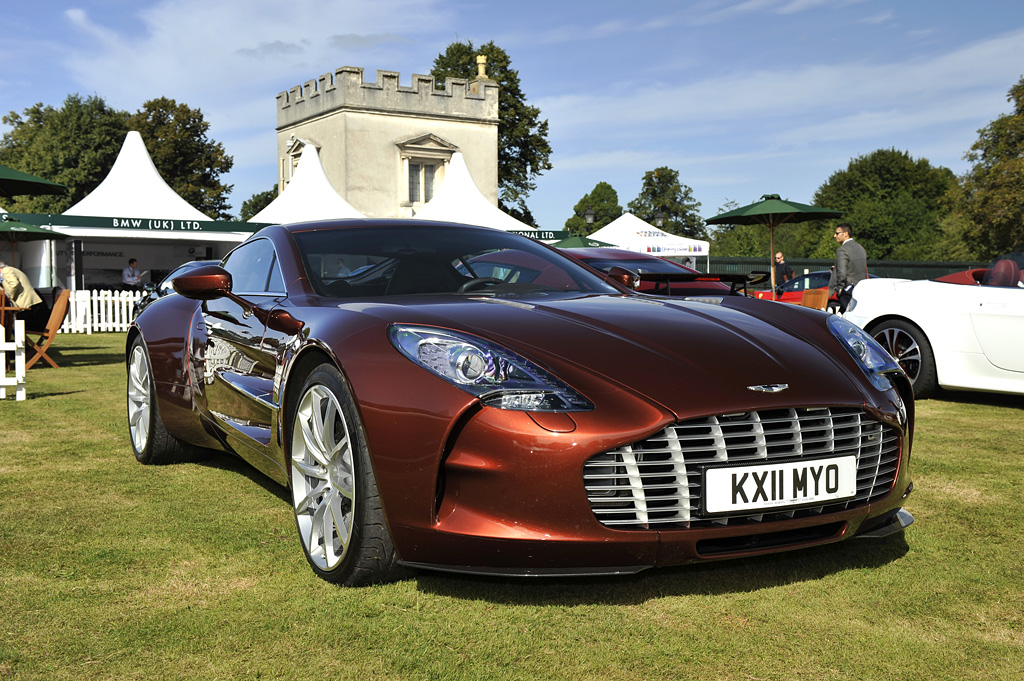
(112, 570)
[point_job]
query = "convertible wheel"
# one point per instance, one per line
(910, 347)
(334, 494)
(151, 442)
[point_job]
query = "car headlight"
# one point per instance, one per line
(498, 376)
(872, 358)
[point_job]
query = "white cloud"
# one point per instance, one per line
(948, 87)
(880, 18)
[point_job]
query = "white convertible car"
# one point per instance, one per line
(963, 331)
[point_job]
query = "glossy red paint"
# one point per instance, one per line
(471, 487)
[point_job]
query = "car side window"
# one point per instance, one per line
(254, 269)
(794, 284)
(818, 280)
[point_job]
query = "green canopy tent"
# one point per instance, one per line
(581, 242)
(17, 183)
(12, 231)
(772, 211)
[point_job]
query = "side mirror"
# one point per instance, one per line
(206, 282)
(282, 321)
(624, 277)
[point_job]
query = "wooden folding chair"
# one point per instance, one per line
(41, 343)
(816, 298)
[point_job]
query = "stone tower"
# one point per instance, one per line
(384, 146)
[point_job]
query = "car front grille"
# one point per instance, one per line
(657, 483)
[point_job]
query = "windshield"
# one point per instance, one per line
(409, 260)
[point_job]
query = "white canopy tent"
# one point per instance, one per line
(309, 196)
(459, 200)
(134, 189)
(633, 234)
(133, 212)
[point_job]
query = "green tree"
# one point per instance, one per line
(188, 160)
(257, 202)
(661, 192)
(75, 145)
(993, 189)
(893, 202)
(523, 149)
(604, 201)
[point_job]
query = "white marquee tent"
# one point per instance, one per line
(459, 200)
(134, 189)
(633, 234)
(133, 212)
(309, 196)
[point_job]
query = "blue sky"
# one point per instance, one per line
(742, 97)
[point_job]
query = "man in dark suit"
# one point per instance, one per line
(851, 266)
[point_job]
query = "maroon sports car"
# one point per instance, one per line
(464, 399)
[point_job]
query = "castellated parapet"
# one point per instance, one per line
(346, 90)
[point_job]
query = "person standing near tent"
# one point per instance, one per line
(131, 277)
(783, 272)
(21, 294)
(851, 266)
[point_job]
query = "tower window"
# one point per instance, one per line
(421, 182)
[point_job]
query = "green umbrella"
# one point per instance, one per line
(13, 231)
(16, 183)
(581, 242)
(772, 211)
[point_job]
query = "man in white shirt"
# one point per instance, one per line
(131, 277)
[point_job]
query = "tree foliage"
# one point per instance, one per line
(893, 202)
(604, 201)
(661, 192)
(523, 149)
(77, 144)
(257, 202)
(993, 189)
(188, 161)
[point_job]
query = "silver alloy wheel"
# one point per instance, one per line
(904, 349)
(323, 477)
(139, 402)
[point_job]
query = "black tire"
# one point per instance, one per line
(330, 475)
(151, 442)
(911, 349)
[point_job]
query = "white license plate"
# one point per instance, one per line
(779, 485)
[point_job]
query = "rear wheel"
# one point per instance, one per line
(151, 442)
(337, 508)
(910, 348)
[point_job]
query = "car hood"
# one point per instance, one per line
(667, 351)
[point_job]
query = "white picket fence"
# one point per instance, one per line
(17, 346)
(99, 311)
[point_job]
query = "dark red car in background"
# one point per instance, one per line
(604, 259)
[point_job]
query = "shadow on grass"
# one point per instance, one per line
(81, 356)
(229, 462)
(979, 398)
(713, 578)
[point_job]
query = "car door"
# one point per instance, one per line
(997, 314)
(241, 357)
